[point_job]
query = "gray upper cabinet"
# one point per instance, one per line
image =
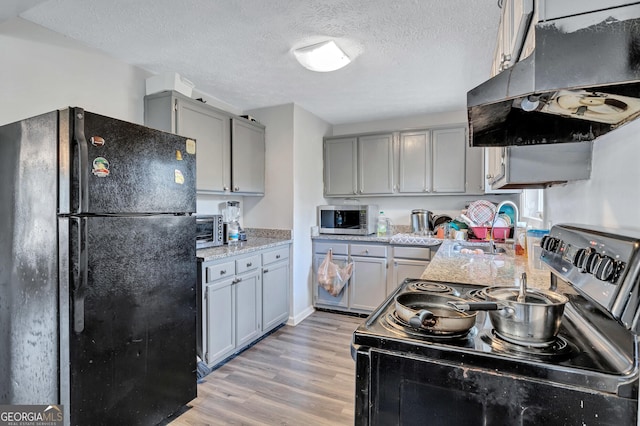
(521, 167)
(175, 113)
(340, 166)
(514, 24)
(415, 162)
(221, 166)
(422, 162)
(358, 165)
(375, 164)
(449, 160)
(247, 157)
(434, 161)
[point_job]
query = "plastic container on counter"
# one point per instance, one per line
(534, 236)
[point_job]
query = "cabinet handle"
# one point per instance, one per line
(489, 176)
(249, 264)
(225, 188)
(237, 280)
(236, 188)
(366, 251)
(265, 271)
(223, 271)
(277, 256)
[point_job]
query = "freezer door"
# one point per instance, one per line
(133, 318)
(121, 167)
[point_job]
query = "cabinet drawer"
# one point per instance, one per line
(275, 255)
(368, 250)
(338, 248)
(421, 253)
(248, 264)
(221, 270)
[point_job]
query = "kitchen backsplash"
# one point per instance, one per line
(284, 234)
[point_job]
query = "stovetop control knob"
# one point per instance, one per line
(605, 268)
(543, 242)
(592, 262)
(579, 258)
(551, 244)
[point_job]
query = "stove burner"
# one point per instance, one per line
(433, 288)
(394, 323)
(559, 348)
(477, 294)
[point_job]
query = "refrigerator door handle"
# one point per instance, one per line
(83, 159)
(80, 282)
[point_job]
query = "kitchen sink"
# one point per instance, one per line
(485, 247)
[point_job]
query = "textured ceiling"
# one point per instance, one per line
(409, 56)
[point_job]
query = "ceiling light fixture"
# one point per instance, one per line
(322, 57)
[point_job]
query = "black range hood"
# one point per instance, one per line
(582, 81)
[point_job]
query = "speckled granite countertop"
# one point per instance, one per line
(257, 239)
(396, 239)
(486, 270)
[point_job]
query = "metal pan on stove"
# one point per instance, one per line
(431, 312)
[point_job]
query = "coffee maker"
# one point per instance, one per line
(231, 213)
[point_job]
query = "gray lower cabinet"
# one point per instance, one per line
(366, 288)
(248, 299)
(240, 300)
(408, 262)
(369, 279)
(340, 255)
(275, 287)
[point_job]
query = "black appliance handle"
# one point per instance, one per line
(423, 317)
(80, 281)
(83, 160)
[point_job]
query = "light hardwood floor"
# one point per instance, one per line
(302, 375)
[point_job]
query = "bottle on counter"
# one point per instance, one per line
(381, 228)
(520, 237)
(233, 233)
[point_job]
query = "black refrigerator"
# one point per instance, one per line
(97, 268)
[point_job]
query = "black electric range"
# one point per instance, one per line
(588, 374)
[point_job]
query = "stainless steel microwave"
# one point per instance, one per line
(347, 219)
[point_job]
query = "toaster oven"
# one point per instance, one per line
(209, 231)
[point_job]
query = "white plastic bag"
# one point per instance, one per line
(332, 277)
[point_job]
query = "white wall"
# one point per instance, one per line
(293, 188)
(42, 71)
(307, 163)
(274, 210)
(612, 196)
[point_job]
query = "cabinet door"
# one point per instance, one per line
(405, 268)
(415, 162)
(375, 164)
(449, 160)
(475, 183)
(275, 294)
(247, 157)
(368, 283)
(340, 166)
(321, 296)
(210, 129)
(220, 321)
(248, 310)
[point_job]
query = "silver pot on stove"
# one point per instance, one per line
(521, 314)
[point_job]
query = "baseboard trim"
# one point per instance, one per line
(301, 316)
